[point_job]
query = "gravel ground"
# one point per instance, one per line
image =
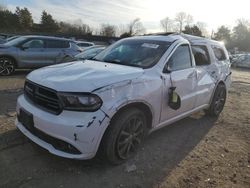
(197, 151)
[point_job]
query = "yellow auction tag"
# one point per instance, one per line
(174, 97)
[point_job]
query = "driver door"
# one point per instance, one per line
(180, 73)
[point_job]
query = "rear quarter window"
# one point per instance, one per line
(219, 53)
(201, 55)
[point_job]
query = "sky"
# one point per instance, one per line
(118, 12)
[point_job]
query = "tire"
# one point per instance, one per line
(124, 136)
(218, 101)
(7, 66)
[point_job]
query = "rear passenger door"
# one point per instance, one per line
(55, 50)
(206, 74)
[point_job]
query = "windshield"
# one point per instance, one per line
(16, 41)
(89, 53)
(134, 52)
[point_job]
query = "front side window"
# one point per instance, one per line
(181, 59)
(201, 55)
(35, 43)
(219, 53)
(134, 52)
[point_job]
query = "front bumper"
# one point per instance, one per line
(82, 130)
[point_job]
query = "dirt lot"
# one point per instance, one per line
(195, 152)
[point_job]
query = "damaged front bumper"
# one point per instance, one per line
(70, 134)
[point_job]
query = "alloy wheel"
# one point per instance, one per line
(220, 101)
(7, 66)
(130, 137)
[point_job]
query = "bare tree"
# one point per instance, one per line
(189, 19)
(108, 30)
(183, 19)
(203, 27)
(135, 27)
(121, 29)
(180, 19)
(167, 24)
(243, 21)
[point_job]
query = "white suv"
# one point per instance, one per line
(110, 103)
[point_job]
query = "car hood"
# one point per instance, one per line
(82, 76)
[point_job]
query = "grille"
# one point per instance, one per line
(42, 97)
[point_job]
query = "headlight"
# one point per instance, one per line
(80, 101)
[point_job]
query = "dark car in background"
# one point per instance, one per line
(34, 52)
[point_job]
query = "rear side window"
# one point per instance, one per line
(201, 55)
(84, 44)
(57, 44)
(219, 53)
(181, 59)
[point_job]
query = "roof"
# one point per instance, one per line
(46, 37)
(171, 37)
(193, 39)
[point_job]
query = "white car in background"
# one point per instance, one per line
(83, 44)
(110, 103)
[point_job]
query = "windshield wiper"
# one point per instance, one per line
(94, 59)
(114, 62)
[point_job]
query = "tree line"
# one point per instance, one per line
(236, 38)
(21, 21)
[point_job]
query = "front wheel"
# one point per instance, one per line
(218, 101)
(7, 66)
(124, 136)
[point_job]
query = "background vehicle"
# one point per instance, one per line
(34, 52)
(12, 38)
(133, 87)
(89, 52)
(241, 60)
(83, 44)
(2, 41)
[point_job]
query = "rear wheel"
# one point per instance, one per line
(124, 136)
(218, 101)
(7, 66)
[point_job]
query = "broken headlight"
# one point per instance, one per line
(80, 101)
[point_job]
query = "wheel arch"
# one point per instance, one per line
(141, 105)
(221, 82)
(11, 57)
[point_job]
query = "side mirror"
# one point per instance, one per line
(174, 100)
(167, 69)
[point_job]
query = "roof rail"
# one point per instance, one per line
(163, 33)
